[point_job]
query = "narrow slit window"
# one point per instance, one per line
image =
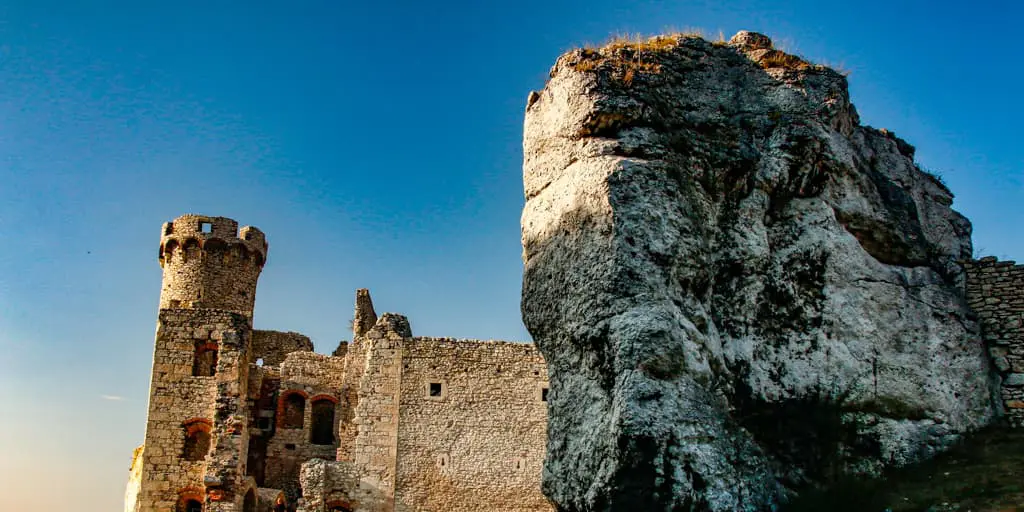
(204, 363)
(543, 394)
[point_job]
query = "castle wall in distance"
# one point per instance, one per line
(995, 291)
(251, 420)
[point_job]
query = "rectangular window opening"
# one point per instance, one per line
(543, 394)
(435, 389)
(206, 227)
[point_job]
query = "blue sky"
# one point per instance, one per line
(378, 145)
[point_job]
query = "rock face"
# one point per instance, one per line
(739, 290)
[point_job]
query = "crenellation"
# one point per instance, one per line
(242, 419)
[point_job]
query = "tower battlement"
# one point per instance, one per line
(209, 263)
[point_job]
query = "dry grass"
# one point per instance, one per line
(628, 56)
(780, 59)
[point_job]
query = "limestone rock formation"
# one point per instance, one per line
(739, 290)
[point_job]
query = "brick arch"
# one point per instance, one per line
(188, 494)
(197, 439)
(324, 396)
(282, 409)
(197, 423)
(334, 505)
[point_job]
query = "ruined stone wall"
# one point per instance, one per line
(471, 426)
(317, 379)
(355, 365)
(179, 399)
(273, 346)
(995, 291)
(227, 484)
(131, 493)
(375, 419)
(210, 267)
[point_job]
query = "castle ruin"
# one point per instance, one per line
(250, 420)
(246, 420)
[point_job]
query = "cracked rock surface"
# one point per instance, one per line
(739, 290)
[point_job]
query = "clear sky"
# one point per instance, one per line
(378, 144)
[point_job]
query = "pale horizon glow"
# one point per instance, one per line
(377, 145)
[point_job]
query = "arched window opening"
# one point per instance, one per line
(189, 503)
(323, 422)
(197, 440)
(205, 362)
(197, 444)
(249, 503)
(294, 411)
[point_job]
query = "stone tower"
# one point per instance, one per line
(209, 264)
(196, 431)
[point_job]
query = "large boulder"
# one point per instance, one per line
(739, 290)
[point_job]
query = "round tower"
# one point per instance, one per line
(210, 264)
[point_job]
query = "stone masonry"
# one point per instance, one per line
(995, 291)
(249, 420)
(253, 420)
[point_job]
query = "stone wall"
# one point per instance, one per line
(375, 417)
(273, 346)
(208, 263)
(317, 379)
(995, 290)
(471, 426)
(180, 400)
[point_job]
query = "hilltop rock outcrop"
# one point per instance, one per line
(739, 290)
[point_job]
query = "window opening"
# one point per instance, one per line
(294, 411)
(197, 443)
(205, 362)
(191, 506)
(543, 394)
(206, 227)
(435, 389)
(323, 422)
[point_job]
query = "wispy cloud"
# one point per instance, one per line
(114, 398)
